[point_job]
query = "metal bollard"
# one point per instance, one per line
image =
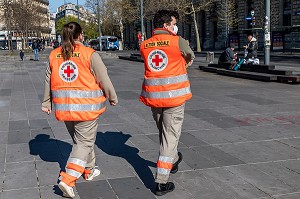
(210, 56)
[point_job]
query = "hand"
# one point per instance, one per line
(190, 63)
(46, 110)
(112, 103)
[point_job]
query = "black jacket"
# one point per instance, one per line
(252, 48)
(35, 45)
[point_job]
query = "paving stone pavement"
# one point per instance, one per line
(240, 139)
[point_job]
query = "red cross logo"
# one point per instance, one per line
(69, 71)
(157, 60)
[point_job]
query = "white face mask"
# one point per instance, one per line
(175, 30)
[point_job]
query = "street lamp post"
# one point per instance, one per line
(142, 21)
(267, 33)
(99, 25)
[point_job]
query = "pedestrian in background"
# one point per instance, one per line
(21, 55)
(36, 48)
(165, 89)
(79, 86)
(228, 56)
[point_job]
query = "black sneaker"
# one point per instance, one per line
(175, 165)
(162, 189)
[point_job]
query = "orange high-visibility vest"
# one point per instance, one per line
(166, 82)
(75, 93)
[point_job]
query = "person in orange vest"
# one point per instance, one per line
(77, 82)
(165, 89)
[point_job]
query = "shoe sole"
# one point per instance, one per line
(65, 189)
(179, 160)
(95, 174)
(164, 192)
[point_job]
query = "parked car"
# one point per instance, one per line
(3, 48)
(94, 44)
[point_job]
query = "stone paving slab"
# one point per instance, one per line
(96, 189)
(20, 175)
(18, 153)
(261, 180)
(234, 184)
(32, 193)
(130, 188)
(288, 196)
(240, 139)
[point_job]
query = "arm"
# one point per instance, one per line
(230, 54)
(186, 51)
(252, 46)
(100, 72)
(46, 104)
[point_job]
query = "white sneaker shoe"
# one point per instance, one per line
(95, 173)
(67, 190)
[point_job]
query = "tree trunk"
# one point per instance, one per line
(9, 36)
(26, 36)
(196, 30)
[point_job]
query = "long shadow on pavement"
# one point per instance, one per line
(113, 143)
(49, 150)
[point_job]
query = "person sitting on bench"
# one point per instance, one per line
(251, 47)
(228, 56)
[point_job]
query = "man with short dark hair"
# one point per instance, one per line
(251, 47)
(165, 89)
(227, 56)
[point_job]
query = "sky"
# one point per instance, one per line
(54, 4)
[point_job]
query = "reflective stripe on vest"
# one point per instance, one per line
(79, 107)
(164, 165)
(166, 94)
(164, 81)
(76, 94)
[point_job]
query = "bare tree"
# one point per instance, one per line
(6, 6)
(184, 7)
(113, 13)
(227, 14)
(26, 16)
(22, 16)
(95, 7)
(191, 8)
(118, 12)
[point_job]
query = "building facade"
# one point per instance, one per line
(70, 10)
(52, 26)
(221, 24)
